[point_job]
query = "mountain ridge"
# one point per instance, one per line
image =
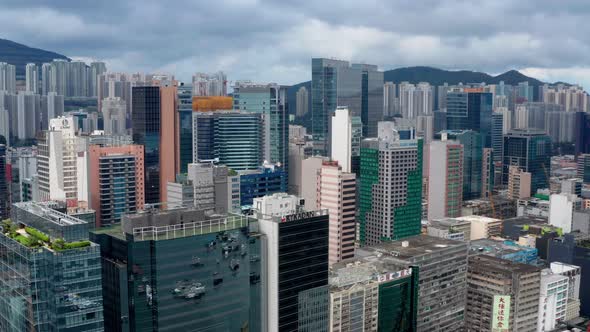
(19, 55)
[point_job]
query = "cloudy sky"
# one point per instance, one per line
(273, 41)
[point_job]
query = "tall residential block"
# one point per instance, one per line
(445, 179)
(390, 205)
(302, 102)
(114, 116)
(442, 268)
(7, 77)
(32, 78)
(530, 150)
(519, 287)
(55, 284)
(471, 109)
(116, 181)
(4, 196)
(337, 193)
(156, 277)
(295, 260)
(210, 84)
(155, 125)
(390, 101)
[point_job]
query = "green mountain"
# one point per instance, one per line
(19, 55)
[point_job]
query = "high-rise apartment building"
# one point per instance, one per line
(52, 107)
(302, 102)
(235, 138)
(116, 181)
(296, 262)
(114, 116)
(32, 78)
(180, 270)
(471, 109)
(390, 101)
(445, 179)
(29, 115)
(571, 98)
(517, 284)
(210, 84)
(55, 284)
(62, 162)
(442, 268)
(7, 77)
(388, 300)
(269, 101)
(530, 150)
(425, 127)
(337, 194)
(155, 126)
(390, 205)
(519, 183)
(96, 69)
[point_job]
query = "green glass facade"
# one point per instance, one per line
(407, 218)
(472, 161)
(398, 304)
(369, 166)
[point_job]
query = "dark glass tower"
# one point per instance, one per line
(4, 199)
(185, 120)
(582, 133)
(472, 161)
(529, 149)
(146, 132)
(471, 111)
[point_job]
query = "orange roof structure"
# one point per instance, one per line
(212, 103)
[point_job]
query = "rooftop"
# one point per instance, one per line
(411, 247)
(49, 214)
(496, 248)
(478, 219)
(500, 265)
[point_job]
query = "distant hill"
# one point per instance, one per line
(19, 55)
(434, 76)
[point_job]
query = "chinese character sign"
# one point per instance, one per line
(501, 312)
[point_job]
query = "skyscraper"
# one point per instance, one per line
(296, 260)
(371, 98)
(55, 285)
(270, 101)
(77, 79)
(114, 116)
(582, 133)
(337, 193)
(302, 102)
(32, 78)
(390, 205)
(390, 100)
(96, 69)
(155, 126)
(341, 140)
(519, 183)
(472, 161)
(116, 176)
(530, 150)
(471, 109)
(4, 197)
(53, 105)
(7, 77)
(497, 134)
(185, 123)
(29, 115)
(445, 174)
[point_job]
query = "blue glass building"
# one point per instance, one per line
(471, 111)
(529, 149)
(185, 120)
(267, 180)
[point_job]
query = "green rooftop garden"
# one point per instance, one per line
(33, 238)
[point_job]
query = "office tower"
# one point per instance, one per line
(498, 135)
(7, 77)
(116, 181)
(296, 260)
(371, 98)
(357, 138)
(235, 138)
(425, 127)
(445, 179)
(341, 141)
(62, 162)
(530, 150)
(213, 188)
(558, 125)
(300, 148)
(307, 181)
(483, 227)
(4, 197)
(450, 228)
(388, 300)
(265, 180)
(553, 300)
(440, 121)
(573, 249)
(582, 133)
(55, 285)
(270, 101)
(441, 304)
(583, 168)
(210, 84)
(53, 107)
(96, 69)
(471, 109)
(488, 172)
(155, 126)
(77, 79)
(561, 210)
(32, 78)
(390, 205)
(202, 278)
(519, 183)
(390, 100)
(302, 102)
(333, 84)
(501, 295)
(114, 116)
(337, 194)
(185, 123)
(472, 161)
(5, 125)
(572, 272)
(28, 118)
